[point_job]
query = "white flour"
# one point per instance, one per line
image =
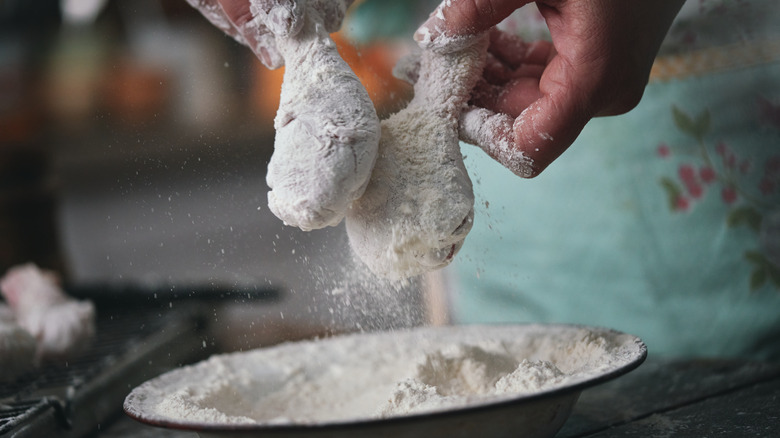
(382, 375)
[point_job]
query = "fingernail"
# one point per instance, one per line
(433, 35)
(423, 35)
(431, 29)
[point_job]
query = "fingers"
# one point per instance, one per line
(215, 14)
(510, 98)
(264, 47)
(237, 12)
(522, 126)
(282, 17)
(254, 33)
(513, 51)
(494, 134)
(525, 145)
(455, 20)
(545, 129)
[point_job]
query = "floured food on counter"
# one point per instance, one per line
(419, 205)
(60, 325)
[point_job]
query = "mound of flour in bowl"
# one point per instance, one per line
(465, 374)
(380, 375)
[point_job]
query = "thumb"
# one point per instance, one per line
(526, 145)
(455, 20)
(544, 130)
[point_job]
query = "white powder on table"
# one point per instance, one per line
(367, 376)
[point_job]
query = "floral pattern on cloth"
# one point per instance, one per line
(662, 222)
(749, 191)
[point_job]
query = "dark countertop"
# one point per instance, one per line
(682, 398)
(662, 398)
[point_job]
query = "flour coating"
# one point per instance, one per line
(418, 206)
(327, 131)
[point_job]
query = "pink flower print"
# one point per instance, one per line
(707, 174)
(729, 195)
(686, 173)
(663, 150)
(682, 204)
(695, 190)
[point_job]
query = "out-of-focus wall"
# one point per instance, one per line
(133, 147)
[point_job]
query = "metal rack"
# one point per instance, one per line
(132, 344)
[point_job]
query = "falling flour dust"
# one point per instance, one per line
(382, 375)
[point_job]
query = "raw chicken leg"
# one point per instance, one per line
(60, 325)
(418, 207)
(327, 130)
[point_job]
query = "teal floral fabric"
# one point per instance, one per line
(664, 222)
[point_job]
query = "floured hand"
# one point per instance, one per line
(535, 98)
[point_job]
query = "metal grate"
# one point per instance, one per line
(114, 335)
(131, 345)
(16, 413)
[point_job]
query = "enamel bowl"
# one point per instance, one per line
(353, 376)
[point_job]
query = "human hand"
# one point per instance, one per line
(537, 97)
(257, 23)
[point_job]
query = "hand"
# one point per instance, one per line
(257, 25)
(597, 65)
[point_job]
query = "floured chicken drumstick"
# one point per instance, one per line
(17, 347)
(418, 207)
(327, 130)
(492, 132)
(60, 325)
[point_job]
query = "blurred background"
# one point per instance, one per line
(133, 143)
